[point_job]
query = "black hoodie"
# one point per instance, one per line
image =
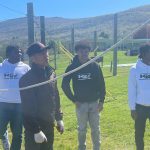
(88, 83)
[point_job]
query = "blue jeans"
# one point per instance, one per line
(88, 113)
(11, 113)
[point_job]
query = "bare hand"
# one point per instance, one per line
(77, 104)
(60, 126)
(133, 114)
(100, 106)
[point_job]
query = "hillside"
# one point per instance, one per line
(60, 28)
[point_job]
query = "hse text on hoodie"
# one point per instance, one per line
(9, 80)
(139, 85)
(88, 83)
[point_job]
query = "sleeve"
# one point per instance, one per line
(66, 85)
(29, 68)
(132, 92)
(101, 85)
(29, 108)
(58, 112)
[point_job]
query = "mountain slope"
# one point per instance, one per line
(60, 28)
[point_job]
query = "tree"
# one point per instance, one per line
(104, 35)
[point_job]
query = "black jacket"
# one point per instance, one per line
(88, 83)
(41, 105)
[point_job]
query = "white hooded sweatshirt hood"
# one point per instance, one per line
(139, 85)
(9, 80)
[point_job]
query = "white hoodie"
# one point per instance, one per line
(139, 85)
(9, 79)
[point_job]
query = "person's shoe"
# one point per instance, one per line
(6, 144)
(5, 141)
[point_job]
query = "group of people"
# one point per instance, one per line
(38, 108)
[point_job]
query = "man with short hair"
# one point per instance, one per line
(139, 94)
(11, 70)
(89, 94)
(41, 104)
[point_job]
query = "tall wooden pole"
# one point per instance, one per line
(72, 39)
(30, 18)
(115, 49)
(55, 57)
(95, 42)
(42, 28)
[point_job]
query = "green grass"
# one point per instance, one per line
(117, 127)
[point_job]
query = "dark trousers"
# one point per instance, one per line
(31, 145)
(11, 113)
(143, 113)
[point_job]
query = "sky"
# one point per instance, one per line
(10, 9)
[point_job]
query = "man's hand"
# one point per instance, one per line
(60, 126)
(40, 137)
(100, 106)
(77, 104)
(133, 114)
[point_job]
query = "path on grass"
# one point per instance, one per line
(121, 65)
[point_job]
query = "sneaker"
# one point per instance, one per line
(5, 142)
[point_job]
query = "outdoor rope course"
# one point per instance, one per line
(82, 66)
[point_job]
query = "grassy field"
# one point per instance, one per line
(117, 127)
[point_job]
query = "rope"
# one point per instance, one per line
(13, 10)
(66, 50)
(95, 49)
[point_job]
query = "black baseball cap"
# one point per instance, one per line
(37, 48)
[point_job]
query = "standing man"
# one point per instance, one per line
(41, 104)
(139, 94)
(89, 94)
(11, 70)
